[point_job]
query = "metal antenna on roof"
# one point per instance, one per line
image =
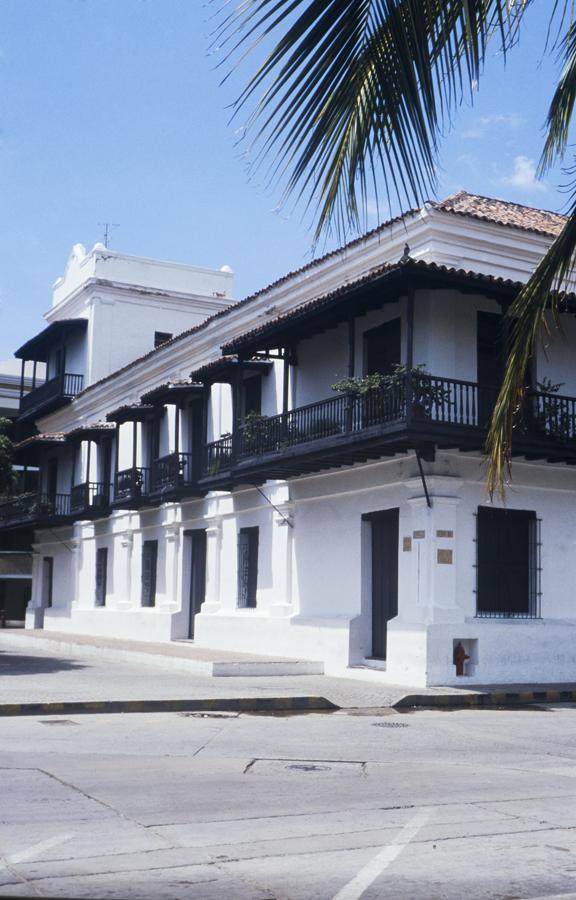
(108, 226)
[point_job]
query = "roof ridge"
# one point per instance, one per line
(551, 212)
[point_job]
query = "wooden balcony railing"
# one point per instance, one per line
(62, 387)
(90, 496)
(171, 472)
(422, 399)
(218, 455)
(30, 508)
(131, 484)
(444, 400)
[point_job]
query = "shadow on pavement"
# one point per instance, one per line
(17, 664)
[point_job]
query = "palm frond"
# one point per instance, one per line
(562, 106)
(542, 292)
(359, 92)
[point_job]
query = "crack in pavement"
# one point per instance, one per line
(288, 855)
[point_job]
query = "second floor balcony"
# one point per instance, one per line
(131, 487)
(50, 395)
(35, 509)
(423, 412)
(89, 500)
(172, 474)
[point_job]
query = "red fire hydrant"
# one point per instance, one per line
(459, 658)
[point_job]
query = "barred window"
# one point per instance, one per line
(508, 564)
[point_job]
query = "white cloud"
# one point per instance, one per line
(482, 124)
(524, 175)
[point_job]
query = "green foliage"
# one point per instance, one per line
(426, 390)
(546, 386)
(357, 94)
(6, 453)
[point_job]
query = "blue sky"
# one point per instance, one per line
(111, 110)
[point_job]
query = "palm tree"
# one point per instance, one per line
(354, 97)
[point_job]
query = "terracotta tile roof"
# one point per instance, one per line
(178, 386)
(124, 413)
(95, 426)
(502, 212)
(56, 437)
(226, 365)
(405, 266)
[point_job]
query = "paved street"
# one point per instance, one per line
(423, 805)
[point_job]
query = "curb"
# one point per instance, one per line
(237, 704)
(484, 700)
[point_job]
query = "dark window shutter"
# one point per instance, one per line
(507, 562)
(253, 395)
(101, 575)
(149, 564)
(383, 348)
(47, 581)
(247, 566)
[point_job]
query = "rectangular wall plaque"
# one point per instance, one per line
(407, 544)
(444, 557)
(418, 535)
(449, 534)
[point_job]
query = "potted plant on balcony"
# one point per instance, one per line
(548, 416)
(427, 392)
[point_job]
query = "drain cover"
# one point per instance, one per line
(390, 725)
(303, 767)
(58, 722)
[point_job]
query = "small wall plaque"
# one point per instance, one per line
(418, 535)
(406, 544)
(444, 557)
(446, 534)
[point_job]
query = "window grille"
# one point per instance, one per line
(247, 567)
(149, 566)
(101, 575)
(508, 564)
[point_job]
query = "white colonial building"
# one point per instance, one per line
(201, 478)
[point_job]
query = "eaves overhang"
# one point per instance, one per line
(38, 347)
(383, 284)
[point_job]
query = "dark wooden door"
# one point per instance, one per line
(382, 348)
(492, 347)
(490, 359)
(384, 576)
(197, 575)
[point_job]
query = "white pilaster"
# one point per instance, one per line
(282, 559)
(212, 602)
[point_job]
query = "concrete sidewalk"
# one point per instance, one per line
(44, 667)
(43, 672)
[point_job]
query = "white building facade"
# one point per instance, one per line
(218, 488)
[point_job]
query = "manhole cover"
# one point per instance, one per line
(322, 768)
(390, 725)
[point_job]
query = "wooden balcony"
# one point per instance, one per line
(37, 510)
(131, 488)
(90, 500)
(50, 395)
(345, 429)
(172, 476)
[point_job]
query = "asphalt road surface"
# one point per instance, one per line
(336, 807)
